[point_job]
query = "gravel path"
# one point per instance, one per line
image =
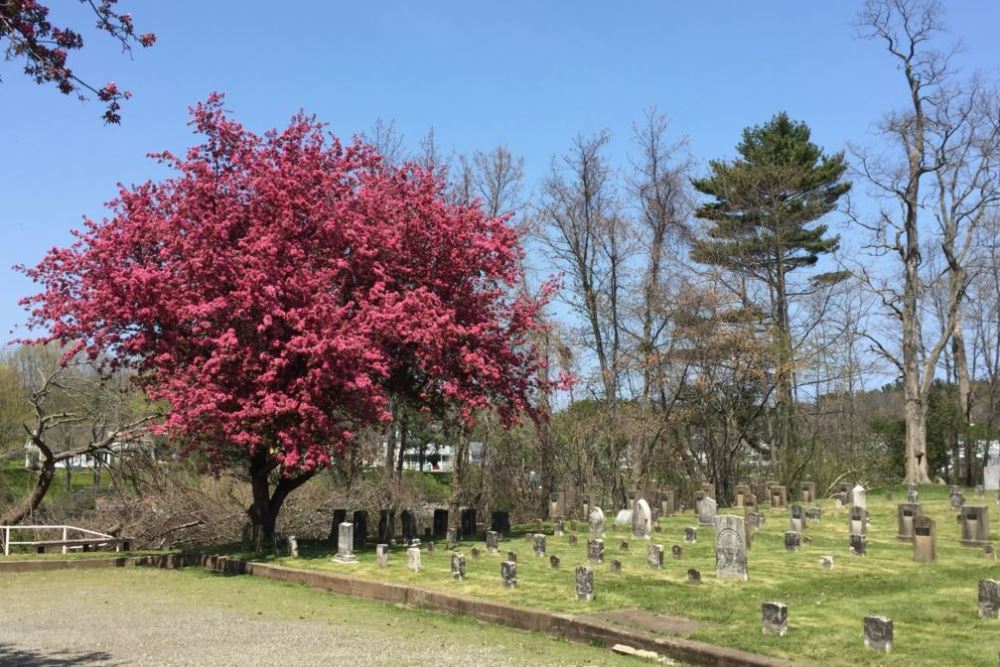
(151, 617)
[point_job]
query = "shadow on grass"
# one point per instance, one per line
(12, 656)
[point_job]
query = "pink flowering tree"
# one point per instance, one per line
(277, 289)
(28, 35)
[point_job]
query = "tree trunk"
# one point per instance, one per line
(263, 512)
(457, 480)
(45, 476)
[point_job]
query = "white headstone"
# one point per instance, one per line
(859, 496)
(642, 519)
(991, 477)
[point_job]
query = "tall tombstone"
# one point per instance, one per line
(905, 513)
(750, 503)
(538, 544)
(975, 522)
(730, 547)
(293, 546)
(858, 497)
(508, 573)
(668, 501)
(706, 511)
(654, 556)
(345, 543)
(642, 519)
(989, 598)
(492, 541)
(924, 539)
(779, 497)
(807, 492)
(440, 522)
(500, 522)
(708, 488)
(774, 616)
(360, 529)
(597, 522)
(457, 566)
(595, 550)
(413, 558)
(339, 517)
(451, 538)
(797, 519)
(386, 526)
(557, 504)
(382, 554)
(857, 524)
(878, 633)
(742, 491)
(584, 583)
(408, 519)
(468, 521)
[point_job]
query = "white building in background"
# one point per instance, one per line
(437, 457)
(105, 457)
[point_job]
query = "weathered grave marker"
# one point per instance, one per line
(859, 545)
(906, 512)
(538, 544)
(924, 539)
(694, 576)
(775, 618)
(382, 554)
(975, 522)
(492, 541)
(654, 556)
(345, 544)
(793, 540)
(584, 583)
(730, 547)
(595, 550)
(706, 511)
(677, 551)
(878, 633)
(597, 522)
(508, 573)
(690, 535)
(413, 558)
(642, 519)
(989, 598)
(457, 566)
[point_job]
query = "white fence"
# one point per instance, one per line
(72, 537)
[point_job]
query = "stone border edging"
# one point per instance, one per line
(522, 618)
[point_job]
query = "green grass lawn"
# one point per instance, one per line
(934, 606)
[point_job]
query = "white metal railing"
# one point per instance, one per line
(91, 537)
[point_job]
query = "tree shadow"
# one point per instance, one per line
(13, 656)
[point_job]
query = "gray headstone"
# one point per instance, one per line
(694, 576)
(793, 540)
(642, 519)
(595, 550)
(814, 513)
(597, 522)
(345, 543)
(924, 539)
(559, 528)
(906, 512)
(797, 519)
(957, 500)
(571, 540)
(677, 551)
(859, 545)
(878, 633)
(584, 583)
(912, 495)
(826, 562)
(706, 511)
(538, 544)
(730, 547)
(413, 558)
(382, 554)
(858, 524)
(654, 556)
(975, 523)
(492, 541)
(989, 598)
(554, 562)
(293, 546)
(775, 618)
(508, 573)
(989, 552)
(690, 535)
(512, 556)
(457, 566)
(616, 566)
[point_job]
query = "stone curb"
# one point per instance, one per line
(565, 625)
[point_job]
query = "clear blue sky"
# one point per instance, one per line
(528, 74)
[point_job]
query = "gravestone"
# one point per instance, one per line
(360, 529)
(844, 488)
(912, 495)
(584, 583)
(500, 522)
(826, 562)
(750, 503)
(888, 496)
(750, 531)
(906, 512)
(559, 528)
(668, 502)
(878, 633)
(694, 576)
(468, 521)
(492, 541)
(859, 545)
(623, 545)
(706, 511)
(839, 500)
(293, 546)
(654, 556)
(755, 519)
(413, 558)
(975, 522)
(858, 498)
(382, 554)
(924, 539)
(623, 518)
(708, 489)
(339, 517)
(793, 540)
(775, 618)
(557, 501)
(538, 544)
(991, 477)
(857, 524)
(677, 551)
(730, 547)
(451, 541)
(429, 545)
(690, 535)
(616, 566)
(814, 513)
(989, 598)
(386, 526)
(778, 497)
(345, 543)
(595, 550)
(642, 519)
(457, 566)
(408, 519)
(571, 540)
(512, 556)
(554, 562)
(989, 553)
(797, 519)
(742, 491)
(957, 501)
(440, 522)
(980, 491)
(807, 492)
(508, 573)
(597, 522)
(767, 486)
(475, 553)
(698, 496)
